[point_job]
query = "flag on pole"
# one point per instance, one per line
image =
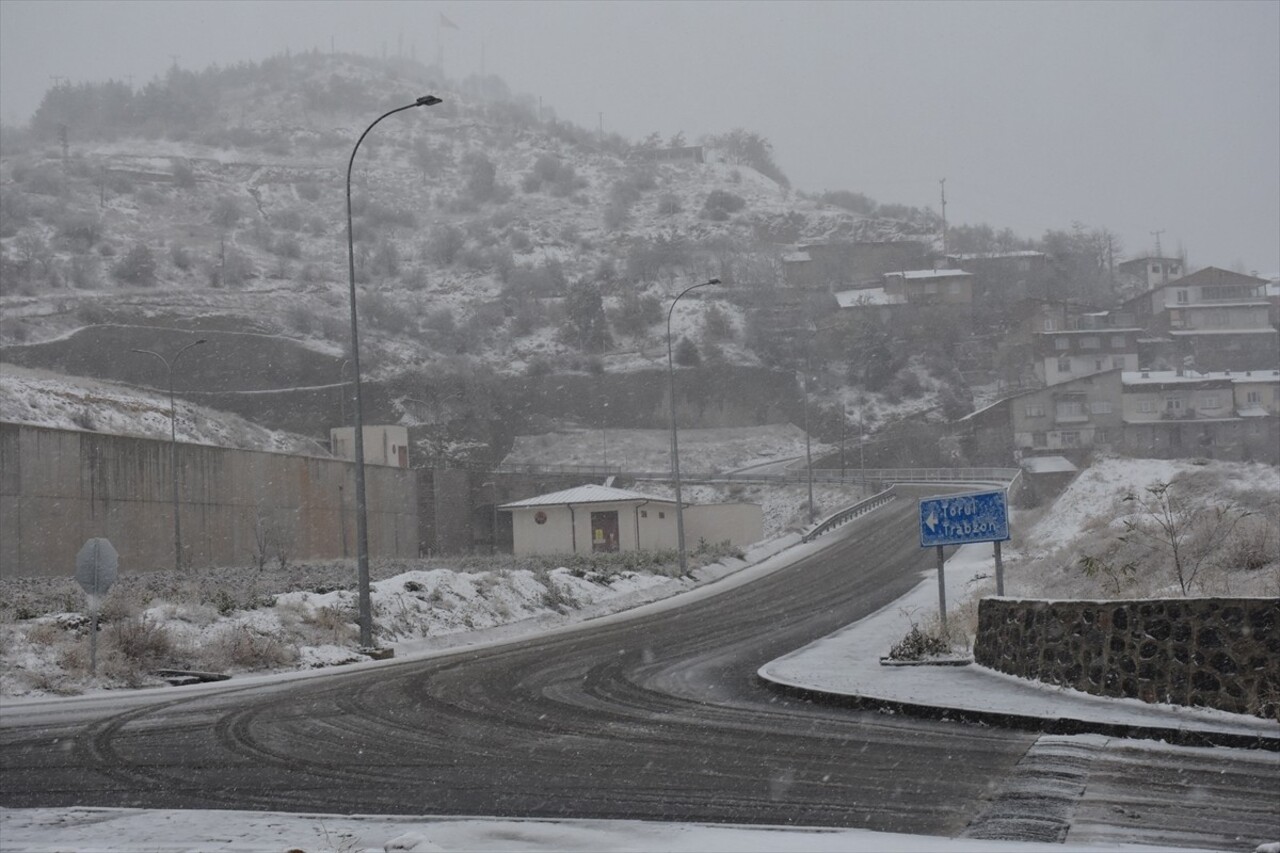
(446, 23)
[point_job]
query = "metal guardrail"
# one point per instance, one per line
(850, 513)
(602, 470)
(851, 476)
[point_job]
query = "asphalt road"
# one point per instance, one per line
(654, 717)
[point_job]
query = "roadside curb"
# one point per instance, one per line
(1023, 722)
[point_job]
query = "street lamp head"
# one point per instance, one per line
(428, 101)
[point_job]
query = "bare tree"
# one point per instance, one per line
(1181, 530)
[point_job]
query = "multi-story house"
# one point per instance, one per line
(1001, 279)
(1073, 419)
(1212, 319)
(1222, 415)
(932, 287)
(1061, 356)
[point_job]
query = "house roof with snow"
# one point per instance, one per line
(1048, 465)
(590, 494)
(914, 275)
(995, 256)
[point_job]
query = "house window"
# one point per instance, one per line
(1175, 269)
(1253, 397)
(1117, 361)
(1173, 404)
(955, 288)
(1155, 268)
(1147, 406)
(662, 515)
(1097, 364)
(1100, 436)
(1061, 343)
(1049, 324)
(1183, 299)
(1117, 341)
(1064, 364)
(1070, 438)
(1210, 402)
(1039, 439)
(1070, 409)
(644, 513)
(1101, 407)
(1035, 411)
(1090, 342)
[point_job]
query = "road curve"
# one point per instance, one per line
(656, 717)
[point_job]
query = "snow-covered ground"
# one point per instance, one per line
(142, 831)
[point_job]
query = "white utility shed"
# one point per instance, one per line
(593, 519)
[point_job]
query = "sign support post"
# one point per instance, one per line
(999, 571)
(942, 589)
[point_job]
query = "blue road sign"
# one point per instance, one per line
(957, 519)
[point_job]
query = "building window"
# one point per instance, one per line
(1070, 438)
(1155, 268)
(1099, 436)
(1173, 404)
(1064, 364)
(1117, 342)
(1175, 269)
(1035, 411)
(1146, 406)
(644, 513)
(1070, 409)
(662, 515)
(1061, 343)
(1049, 324)
(1210, 402)
(1117, 361)
(1097, 364)
(1039, 439)
(1253, 397)
(1090, 342)
(1183, 299)
(1101, 407)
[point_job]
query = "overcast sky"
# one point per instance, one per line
(1134, 116)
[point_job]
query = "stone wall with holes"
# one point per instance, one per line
(1213, 652)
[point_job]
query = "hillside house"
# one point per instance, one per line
(1001, 279)
(1212, 319)
(1060, 356)
(1151, 272)
(841, 266)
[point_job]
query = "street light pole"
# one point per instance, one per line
(362, 525)
(169, 364)
(675, 441)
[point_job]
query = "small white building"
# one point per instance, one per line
(601, 519)
(383, 445)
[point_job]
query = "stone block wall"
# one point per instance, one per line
(1213, 652)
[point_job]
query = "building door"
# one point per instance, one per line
(604, 532)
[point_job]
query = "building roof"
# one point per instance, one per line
(1170, 377)
(590, 494)
(1214, 276)
(912, 275)
(1187, 333)
(796, 257)
(994, 256)
(1048, 465)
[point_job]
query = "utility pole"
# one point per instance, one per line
(1164, 268)
(943, 184)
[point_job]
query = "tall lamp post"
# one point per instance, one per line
(362, 525)
(675, 441)
(169, 364)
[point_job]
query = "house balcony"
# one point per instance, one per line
(1071, 419)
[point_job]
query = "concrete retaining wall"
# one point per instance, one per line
(61, 487)
(1214, 652)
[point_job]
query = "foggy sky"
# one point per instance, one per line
(1134, 116)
